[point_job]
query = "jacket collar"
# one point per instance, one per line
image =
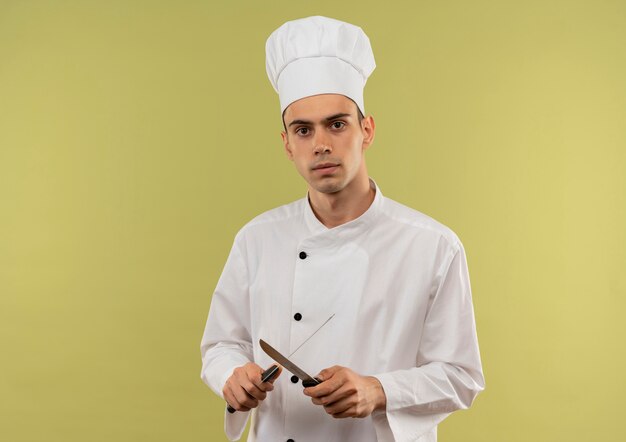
(346, 230)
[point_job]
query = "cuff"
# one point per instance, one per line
(235, 424)
(402, 420)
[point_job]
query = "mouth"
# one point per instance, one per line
(325, 167)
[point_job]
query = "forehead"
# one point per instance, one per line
(318, 107)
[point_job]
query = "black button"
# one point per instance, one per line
(302, 255)
(294, 379)
(297, 316)
(290, 440)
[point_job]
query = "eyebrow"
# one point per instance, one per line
(327, 119)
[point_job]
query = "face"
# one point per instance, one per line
(326, 142)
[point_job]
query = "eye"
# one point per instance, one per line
(302, 131)
(338, 124)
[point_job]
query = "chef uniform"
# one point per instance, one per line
(395, 279)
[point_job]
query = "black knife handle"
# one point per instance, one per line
(267, 375)
(311, 382)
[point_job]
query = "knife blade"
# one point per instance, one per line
(307, 380)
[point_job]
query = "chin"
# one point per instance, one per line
(329, 187)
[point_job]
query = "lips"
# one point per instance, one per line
(325, 166)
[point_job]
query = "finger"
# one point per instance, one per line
(252, 384)
(254, 391)
(327, 373)
(244, 399)
(346, 407)
(325, 387)
(335, 396)
(231, 400)
(350, 412)
(273, 373)
(278, 373)
(252, 373)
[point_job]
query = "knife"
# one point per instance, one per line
(307, 380)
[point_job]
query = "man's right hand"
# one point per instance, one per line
(244, 390)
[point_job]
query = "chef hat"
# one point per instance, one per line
(318, 55)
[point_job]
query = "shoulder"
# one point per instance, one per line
(282, 214)
(414, 222)
(281, 217)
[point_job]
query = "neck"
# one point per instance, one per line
(335, 209)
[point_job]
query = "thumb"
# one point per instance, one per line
(280, 370)
(327, 373)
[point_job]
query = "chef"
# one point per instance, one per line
(400, 351)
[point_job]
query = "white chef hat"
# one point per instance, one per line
(318, 55)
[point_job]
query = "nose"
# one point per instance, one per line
(321, 145)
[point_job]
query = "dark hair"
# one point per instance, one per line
(359, 115)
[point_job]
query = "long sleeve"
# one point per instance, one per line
(226, 343)
(448, 372)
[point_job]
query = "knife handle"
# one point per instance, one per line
(267, 375)
(311, 382)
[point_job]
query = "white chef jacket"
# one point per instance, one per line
(398, 284)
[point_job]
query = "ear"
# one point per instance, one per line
(369, 130)
(288, 151)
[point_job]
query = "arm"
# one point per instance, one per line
(226, 343)
(405, 404)
(448, 373)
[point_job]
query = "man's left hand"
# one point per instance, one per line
(344, 393)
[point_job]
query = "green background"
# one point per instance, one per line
(137, 137)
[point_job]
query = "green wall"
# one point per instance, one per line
(137, 137)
